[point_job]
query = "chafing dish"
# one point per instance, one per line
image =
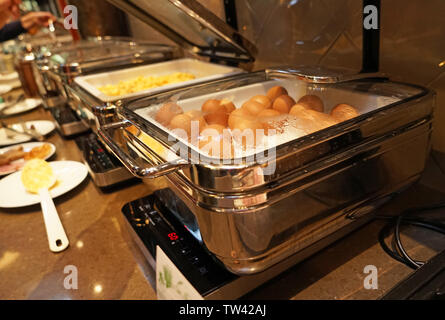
(24, 64)
(194, 28)
(203, 72)
(27, 50)
(85, 94)
(210, 49)
(45, 37)
(59, 64)
(251, 217)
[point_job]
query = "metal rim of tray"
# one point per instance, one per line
(160, 167)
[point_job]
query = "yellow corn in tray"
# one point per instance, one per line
(144, 83)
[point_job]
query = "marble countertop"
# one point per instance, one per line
(109, 268)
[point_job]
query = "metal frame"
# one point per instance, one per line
(241, 50)
(371, 42)
(246, 223)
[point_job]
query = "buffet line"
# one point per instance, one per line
(263, 167)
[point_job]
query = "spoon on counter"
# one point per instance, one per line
(31, 132)
(38, 177)
(10, 102)
(52, 31)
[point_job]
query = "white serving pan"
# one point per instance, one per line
(296, 89)
(203, 71)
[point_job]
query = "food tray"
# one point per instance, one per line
(203, 71)
(363, 102)
(332, 179)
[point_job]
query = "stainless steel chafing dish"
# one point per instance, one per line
(27, 48)
(42, 40)
(324, 183)
(210, 47)
(59, 64)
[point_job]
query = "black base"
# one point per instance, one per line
(426, 283)
(157, 225)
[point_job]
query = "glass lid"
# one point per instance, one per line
(100, 52)
(272, 108)
(193, 27)
(261, 126)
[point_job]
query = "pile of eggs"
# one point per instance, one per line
(220, 122)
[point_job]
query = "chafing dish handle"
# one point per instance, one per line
(141, 171)
(321, 75)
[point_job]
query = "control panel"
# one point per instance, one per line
(156, 225)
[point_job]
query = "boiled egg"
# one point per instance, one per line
(312, 102)
(167, 112)
(194, 113)
(198, 120)
(217, 116)
(253, 107)
(238, 115)
(246, 131)
(297, 108)
(315, 119)
(268, 113)
(211, 105)
(219, 129)
(181, 121)
(216, 141)
(275, 92)
(247, 124)
(283, 103)
(343, 112)
(226, 103)
(264, 100)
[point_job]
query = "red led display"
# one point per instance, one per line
(173, 236)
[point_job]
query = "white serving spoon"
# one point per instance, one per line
(38, 177)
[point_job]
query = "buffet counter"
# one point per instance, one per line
(108, 265)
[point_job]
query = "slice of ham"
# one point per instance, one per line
(9, 168)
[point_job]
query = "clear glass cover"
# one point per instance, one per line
(253, 113)
(86, 51)
(193, 27)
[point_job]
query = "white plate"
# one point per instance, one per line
(26, 147)
(4, 88)
(43, 127)
(22, 106)
(8, 76)
(10, 79)
(69, 175)
(13, 83)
